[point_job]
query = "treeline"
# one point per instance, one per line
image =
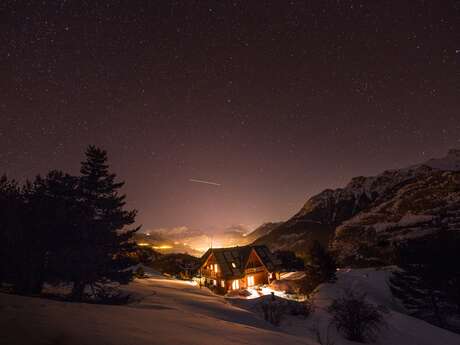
(428, 279)
(66, 229)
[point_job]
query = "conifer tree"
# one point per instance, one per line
(320, 268)
(41, 222)
(56, 213)
(322, 262)
(10, 206)
(102, 242)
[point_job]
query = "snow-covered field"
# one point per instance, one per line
(177, 312)
(401, 329)
(171, 312)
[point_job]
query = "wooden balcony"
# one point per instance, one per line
(254, 270)
(209, 273)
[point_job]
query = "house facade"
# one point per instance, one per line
(224, 269)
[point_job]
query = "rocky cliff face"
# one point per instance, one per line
(373, 212)
(428, 203)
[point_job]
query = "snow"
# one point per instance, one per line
(167, 312)
(401, 329)
(408, 219)
(450, 162)
(294, 275)
(374, 186)
(170, 311)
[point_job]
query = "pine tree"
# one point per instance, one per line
(102, 242)
(320, 268)
(10, 205)
(57, 214)
(41, 223)
(323, 262)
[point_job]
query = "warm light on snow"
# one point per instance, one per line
(164, 246)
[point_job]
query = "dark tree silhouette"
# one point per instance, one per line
(289, 260)
(102, 243)
(58, 215)
(322, 262)
(42, 221)
(428, 283)
(11, 206)
(63, 228)
(320, 268)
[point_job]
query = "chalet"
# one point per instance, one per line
(235, 268)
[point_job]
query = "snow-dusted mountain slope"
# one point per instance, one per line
(420, 207)
(262, 230)
(450, 162)
(324, 213)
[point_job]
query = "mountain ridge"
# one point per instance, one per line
(323, 214)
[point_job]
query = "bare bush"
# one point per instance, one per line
(274, 311)
(304, 308)
(357, 319)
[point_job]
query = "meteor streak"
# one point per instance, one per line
(205, 182)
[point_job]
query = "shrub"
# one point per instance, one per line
(274, 311)
(355, 318)
(110, 295)
(304, 308)
(275, 308)
(139, 272)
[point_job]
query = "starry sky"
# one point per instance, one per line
(273, 101)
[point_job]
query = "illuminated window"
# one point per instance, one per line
(211, 267)
(216, 268)
(235, 284)
(250, 280)
(233, 265)
(222, 283)
(214, 282)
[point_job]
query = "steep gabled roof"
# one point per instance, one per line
(238, 257)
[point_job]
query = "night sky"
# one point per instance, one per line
(271, 101)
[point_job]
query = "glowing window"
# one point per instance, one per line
(216, 268)
(250, 280)
(222, 283)
(214, 282)
(235, 284)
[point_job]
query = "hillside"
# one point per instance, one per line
(262, 230)
(166, 311)
(400, 329)
(418, 193)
